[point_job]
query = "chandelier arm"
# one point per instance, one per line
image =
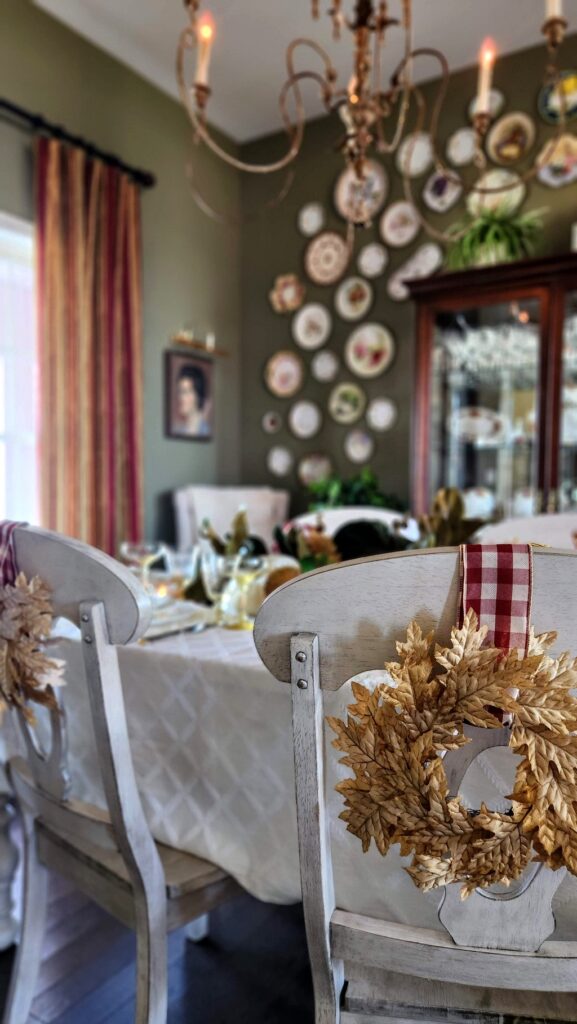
(405, 66)
(226, 219)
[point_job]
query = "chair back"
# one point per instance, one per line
(558, 530)
(110, 607)
(266, 508)
(334, 518)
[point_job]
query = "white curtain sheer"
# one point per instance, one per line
(18, 372)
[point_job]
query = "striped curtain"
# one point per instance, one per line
(90, 347)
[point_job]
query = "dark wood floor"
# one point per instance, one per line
(253, 969)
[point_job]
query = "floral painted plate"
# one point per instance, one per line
(558, 95)
(313, 468)
(311, 218)
(279, 461)
(372, 259)
(325, 366)
(359, 200)
(442, 191)
(305, 419)
(287, 294)
(559, 159)
(312, 325)
(359, 445)
(271, 422)
(399, 224)
(347, 402)
(353, 298)
(511, 138)
(424, 261)
(370, 350)
(284, 374)
(505, 193)
(326, 258)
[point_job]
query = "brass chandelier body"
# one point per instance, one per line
(374, 112)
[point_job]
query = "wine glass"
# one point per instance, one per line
(182, 568)
(142, 554)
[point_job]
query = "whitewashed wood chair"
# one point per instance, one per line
(111, 855)
(317, 632)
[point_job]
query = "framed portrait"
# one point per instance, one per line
(189, 396)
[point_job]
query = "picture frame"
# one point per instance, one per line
(189, 396)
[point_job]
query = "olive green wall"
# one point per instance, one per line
(190, 264)
(272, 245)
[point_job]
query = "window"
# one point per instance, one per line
(18, 372)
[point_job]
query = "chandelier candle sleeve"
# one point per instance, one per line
(486, 62)
(205, 39)
(553, 9)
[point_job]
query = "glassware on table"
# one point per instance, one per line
(182, 570)
(141, 555)
(226, 579)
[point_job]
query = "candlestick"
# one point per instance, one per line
(205, 39)
(487, 56)
(553, 9)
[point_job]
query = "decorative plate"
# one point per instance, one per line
(381, 414)
(359, 201)
(311, 218)
(287, 294)
(271, 422)
(442, 191)
(424, 261)
(279, 460)
(415, 154)
(508, 200)
(399, 224)
(477, 425)
(370, 350)
(461, 147)
(511, 138)
(496, 104)
(313, 468)
(325, 366)
(347, 402)
(305, 420)
(312, 325)
(561, 162)
(359, 445)
(326, 258)
(353, 298)
(284, 374)
(552, 98)
(372, 259)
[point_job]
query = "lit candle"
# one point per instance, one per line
(553, 9)
(205, 39)
(487, 56)
(210, 342)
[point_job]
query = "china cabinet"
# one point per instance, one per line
(495, 399)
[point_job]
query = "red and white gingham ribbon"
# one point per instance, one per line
(8, 567)
(497, 583)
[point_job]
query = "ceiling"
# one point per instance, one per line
(247, 65)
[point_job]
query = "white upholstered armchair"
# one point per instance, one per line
(265, 506)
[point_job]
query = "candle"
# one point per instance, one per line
(205, 39)
(553, 9)
(487, 56)
(210, 342)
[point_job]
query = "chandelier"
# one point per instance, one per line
(374, 112)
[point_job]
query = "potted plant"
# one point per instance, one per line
(494, 236)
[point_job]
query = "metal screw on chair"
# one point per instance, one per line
(85, 618)
(302, 684)
(87, 639)
(301, 656)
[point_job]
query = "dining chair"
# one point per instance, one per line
(316, 633)
(557, 529)
(109, 854)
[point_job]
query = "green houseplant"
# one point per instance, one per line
(362, 489)
(494, 236)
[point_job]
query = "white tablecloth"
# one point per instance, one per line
(211, 739)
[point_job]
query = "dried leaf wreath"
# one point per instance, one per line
(26, 672)
(393, 740)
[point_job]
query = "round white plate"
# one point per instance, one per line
(461, 147)
(508, 199)
(326, 258)
(370, 350)
(305, 419)
(271, 422)
(279, 460)
(353, 298)
(399, 224)
(312, 325)
(415, 154)
(284, 374)
(325, 366)
(561, 162)
(359, 200)
(511, 138)
(359, 445)
(424, 261)
(314, 467)
(496, 104)
(311, 218)
(381, 414)
(372, 259)
(442, 191)
(347, 402)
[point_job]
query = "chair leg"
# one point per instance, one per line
(29, 953)
(151, 977)
(198, 929)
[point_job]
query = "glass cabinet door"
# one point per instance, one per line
(484, 407)
(567, 493)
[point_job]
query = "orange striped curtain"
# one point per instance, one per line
(90, 347)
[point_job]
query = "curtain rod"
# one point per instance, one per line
(39, 124)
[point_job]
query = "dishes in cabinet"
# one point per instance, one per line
(559, 162)
(279, 460)
(271, 422)
(325, 366)
(372, 259)
(480, 502)
(462, 147)
(400, 224)
(496, 104)
(415, 154)
(369, 350)
(347, 402)
(359, 200)
(284, 374)
(312, 325)
(477, 425)
(511, 138)
(442, 191)
(558, 96)
(353, 298)
(311, 219)
(359, 445)
(524, 502)
(505, 193)
(313, 468)
(381, 414)
(287, 294)
(326, 258)
(305, 419)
